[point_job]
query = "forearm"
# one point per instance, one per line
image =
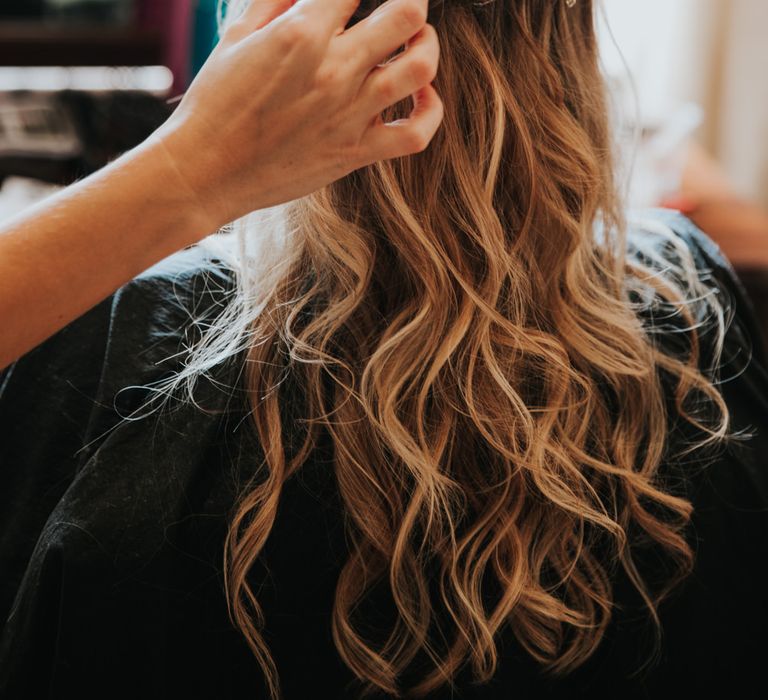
(61, 257)
(288, 102)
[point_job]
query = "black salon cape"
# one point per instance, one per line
(111, 532)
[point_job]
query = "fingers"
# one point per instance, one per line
(405, 136)
(379, 35)
(405, 75)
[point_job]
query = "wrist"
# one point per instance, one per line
(188, 198)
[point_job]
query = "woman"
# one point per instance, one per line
(444, 428)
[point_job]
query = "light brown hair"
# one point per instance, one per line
(462, 325)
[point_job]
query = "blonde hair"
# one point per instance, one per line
(469, 330)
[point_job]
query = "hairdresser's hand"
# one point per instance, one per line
(289, 102)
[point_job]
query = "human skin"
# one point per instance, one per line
(287, 102)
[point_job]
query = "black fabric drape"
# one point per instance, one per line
(112, 531)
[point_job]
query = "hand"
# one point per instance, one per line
(289, 101)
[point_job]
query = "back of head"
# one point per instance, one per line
(460, 325)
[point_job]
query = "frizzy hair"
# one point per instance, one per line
(474, 353)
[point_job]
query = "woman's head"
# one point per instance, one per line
(460, 326)
(522, 162)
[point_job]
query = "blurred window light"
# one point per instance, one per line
(153, 79)
(643, 46)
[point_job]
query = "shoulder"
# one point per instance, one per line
(144, 317)
(77, 379)
(672, 246)
(670, 243)
(728, 486)
(732, 350)
(660, 223)
(106, 514)
(740, 369)
(181, 290)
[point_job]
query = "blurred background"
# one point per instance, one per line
(689, 83)
(81, 81)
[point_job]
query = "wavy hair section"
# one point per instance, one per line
(470, 332)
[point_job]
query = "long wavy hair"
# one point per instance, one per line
(465, 324)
